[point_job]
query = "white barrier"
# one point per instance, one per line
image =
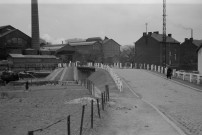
(191, 77)
(114, 76)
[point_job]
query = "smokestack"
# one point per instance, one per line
(192, 33)
(35, 25)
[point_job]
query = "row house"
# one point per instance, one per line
(150, 49)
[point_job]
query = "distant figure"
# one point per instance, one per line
(27, 85)
(169, 73)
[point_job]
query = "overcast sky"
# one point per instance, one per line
(122, 20)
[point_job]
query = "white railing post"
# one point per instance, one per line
(198, 79)
(183, 76)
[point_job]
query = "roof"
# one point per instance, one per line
(7, 32)
(32, 56)
(82, 43)
(94, 39)
(199, 48)
(66, 48)
(197, 42)
(107, 40)
(53, 47)
(159, 37)
(2, 27)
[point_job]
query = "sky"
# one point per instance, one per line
(122, 20)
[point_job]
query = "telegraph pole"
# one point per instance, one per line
(164, 29)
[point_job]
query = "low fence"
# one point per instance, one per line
(87, 120)
(191, 77)
(114, 76)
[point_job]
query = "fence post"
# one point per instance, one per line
(68, 125)
(107, 91)
(198, 79)
(98, 107)
(81, 126)
(30, 133)
(102, 102)
(104, 95)
(91, 113)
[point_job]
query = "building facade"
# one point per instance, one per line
(199, 51)
(32, 62)
(12, 41)
(111, 50)
(149, 49)
(188, 54)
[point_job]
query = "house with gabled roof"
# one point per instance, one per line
(188, 54)
(12, 40)
(150, 49)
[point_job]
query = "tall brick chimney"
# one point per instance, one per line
(35, 25)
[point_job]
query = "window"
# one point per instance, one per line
(15, 40)
(175, 57)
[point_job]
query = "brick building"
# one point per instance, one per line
(111, 50)
(150, 49)
(199, 52)
(12, 40)
(32, 62)
(90, 50)
(188, 54)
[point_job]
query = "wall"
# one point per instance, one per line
(150, 51)
(111, 49)
(200, 61)
(188, 56)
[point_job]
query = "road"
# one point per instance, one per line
(180, 104)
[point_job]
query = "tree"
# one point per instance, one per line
(127, 55)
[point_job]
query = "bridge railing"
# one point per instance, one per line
(114, 76)
(191, 77)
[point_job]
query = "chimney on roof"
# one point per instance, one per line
(169, 35)
(192, 33)
(106, 38)
(156, 32)
(144, 34)
(186, 39)
(62, 42)
(149, 33)
(191, 39)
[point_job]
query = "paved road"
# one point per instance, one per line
(181, 104)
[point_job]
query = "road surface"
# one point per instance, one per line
(180, 104)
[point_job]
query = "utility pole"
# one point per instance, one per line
(164, 29)
(146, 26)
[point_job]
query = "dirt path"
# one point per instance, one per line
(181, 104)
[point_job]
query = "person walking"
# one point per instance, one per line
(169, 72)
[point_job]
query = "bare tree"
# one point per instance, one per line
(127, 55)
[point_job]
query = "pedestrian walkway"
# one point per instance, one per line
(194, 86)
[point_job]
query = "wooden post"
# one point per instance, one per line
(107, 91)
(91, 113)
(81, 126)
(98, 107)
(68, 125)
(104, 97)
(102, 102)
